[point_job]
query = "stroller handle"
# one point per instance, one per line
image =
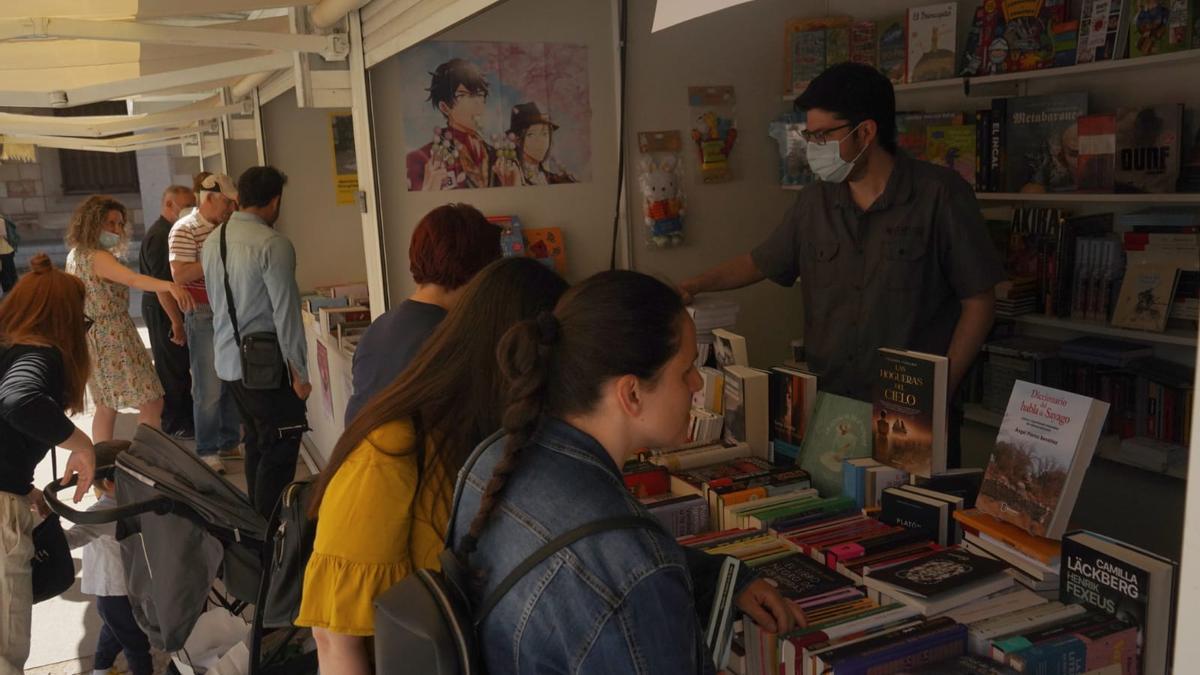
(159, 505)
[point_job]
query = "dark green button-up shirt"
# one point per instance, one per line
(890, 276)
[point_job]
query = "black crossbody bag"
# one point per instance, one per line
(262, 359)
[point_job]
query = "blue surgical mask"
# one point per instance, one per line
(109, 240)
(826, 160)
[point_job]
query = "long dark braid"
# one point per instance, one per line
(524, 356)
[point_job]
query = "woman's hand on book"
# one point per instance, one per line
(762, 602)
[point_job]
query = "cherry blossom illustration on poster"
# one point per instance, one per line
(496, 114)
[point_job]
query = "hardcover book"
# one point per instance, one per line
(840, 430)
(1041, 133)
(1097, 152)
(1149, 144)
(954, 148)
(931, 32)
(1043, 449)
(806, 43)
(893, 56)
(1128, 583)
(908, 421)
(864, 43)
(1145, 299)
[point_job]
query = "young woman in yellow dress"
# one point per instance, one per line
(383, 501)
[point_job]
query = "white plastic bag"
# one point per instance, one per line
(217, 634)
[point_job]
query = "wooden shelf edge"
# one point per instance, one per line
(1177, 338)
(1084, 197)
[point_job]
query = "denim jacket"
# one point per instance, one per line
(621, 601)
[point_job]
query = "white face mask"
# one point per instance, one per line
(826, 160)
(109, 240)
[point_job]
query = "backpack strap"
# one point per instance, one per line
(555, 545)
(461, 482)
(237, 336)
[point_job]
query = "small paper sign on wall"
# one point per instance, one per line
(345, 163)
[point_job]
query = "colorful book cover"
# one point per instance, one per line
(864, 43)
(1065, 35)
(837, 45)
(1145, 299)
(1127, 583)
(987, 26)
(793, 395)
(1044, 445)
(931, 33)
(1097, 152)
(909, 415)
(1042, 136)
(892, 49)
(1157, 27)
(547, 246)
(805, 47)
(1149, 144)
(954, 148)
(840, 430)
(1028, 39)
(912, 133)
(1100, 28)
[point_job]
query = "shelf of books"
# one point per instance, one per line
(849, 509)
(966, 84)
(1184, 198)
(1180, 336)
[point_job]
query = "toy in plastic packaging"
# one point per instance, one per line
(715, 130)
(787, 131)
(661, 179)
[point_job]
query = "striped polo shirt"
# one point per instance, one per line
(185, 243)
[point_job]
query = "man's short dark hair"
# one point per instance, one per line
(258, 185)
(855, 92)
(447, 78)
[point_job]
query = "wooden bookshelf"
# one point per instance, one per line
(966, 84)
(1182, 338)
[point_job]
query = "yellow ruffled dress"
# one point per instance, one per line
(370, 531)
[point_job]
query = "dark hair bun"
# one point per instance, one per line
(40, 264)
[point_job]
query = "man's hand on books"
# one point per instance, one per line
(762, 602)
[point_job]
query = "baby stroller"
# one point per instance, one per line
(182, 526)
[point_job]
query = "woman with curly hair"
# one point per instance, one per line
(122, 373)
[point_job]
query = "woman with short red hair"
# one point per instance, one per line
(449, 247)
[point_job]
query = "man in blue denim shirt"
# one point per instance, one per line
(262, 280)
(624, 586)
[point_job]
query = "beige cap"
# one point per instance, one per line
(219, 182)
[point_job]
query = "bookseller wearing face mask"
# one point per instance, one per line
(891, 251)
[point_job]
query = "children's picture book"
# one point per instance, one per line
(893, 51)
(1126, 582)
(931, 45)
(1097, 152)
(840, 430)
(954, 148)
(1043, 449)
(547, 246)
(1157, 27)
(1145, 299)
(912, 130)
(1149, 147)
(806, 43)
(909, 416)
(1042, 139)
(1101, 31)
(1017, 35)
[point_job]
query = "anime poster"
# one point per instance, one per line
(345, 162)
(496, 114)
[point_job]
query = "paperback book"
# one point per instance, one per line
(1149, 147)
(793, 396)
(1145, 299)
(730, 348)
(931, 32)
(840, 430)
(954, 148)
(1101, 31)
(1042, 133)
(1043, 449)
(893, 52)
(747, 408)
(909, 415)
(1157, 27)
(1097, 152)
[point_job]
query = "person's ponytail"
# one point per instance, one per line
(524, 359)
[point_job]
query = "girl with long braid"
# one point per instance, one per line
(609, 371)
